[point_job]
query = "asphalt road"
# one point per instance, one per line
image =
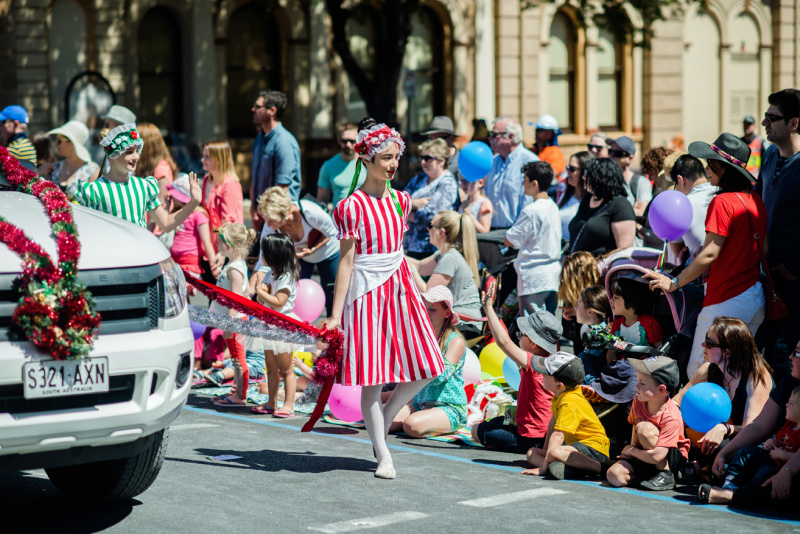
(322, 482)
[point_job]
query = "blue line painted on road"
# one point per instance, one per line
(507, 468)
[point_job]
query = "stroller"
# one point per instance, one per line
(676, 312)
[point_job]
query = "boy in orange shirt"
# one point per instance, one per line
(658, 448)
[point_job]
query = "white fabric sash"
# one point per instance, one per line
(371, 271)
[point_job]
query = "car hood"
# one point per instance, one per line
(106, 242)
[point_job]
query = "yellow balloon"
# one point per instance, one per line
(307, 358)
(491, 359)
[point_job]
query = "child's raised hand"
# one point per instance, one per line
(194, 188)
(487, 297)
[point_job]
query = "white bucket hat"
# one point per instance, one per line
(121, 114)
(78, 134)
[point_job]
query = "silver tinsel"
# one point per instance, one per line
(254, 328)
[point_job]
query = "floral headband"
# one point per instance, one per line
(728, 157)
(377, 139)
(120, 139)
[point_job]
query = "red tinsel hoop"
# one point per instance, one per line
(326, 367)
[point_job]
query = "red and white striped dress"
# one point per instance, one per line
(388, 335)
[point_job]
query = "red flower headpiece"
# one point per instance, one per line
(377, 139)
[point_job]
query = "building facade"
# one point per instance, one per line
(194, 67)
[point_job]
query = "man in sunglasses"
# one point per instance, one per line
(14, 135)
(779, 186)
(597, 145)
(504, 182)
(336, 174)
(640, 191)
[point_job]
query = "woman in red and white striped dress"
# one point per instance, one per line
(388, 335)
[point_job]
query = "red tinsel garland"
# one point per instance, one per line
(55, 311)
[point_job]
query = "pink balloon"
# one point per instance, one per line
(345, 403)
(310, 300)
(472, 368)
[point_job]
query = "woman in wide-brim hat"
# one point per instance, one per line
(77, 166)
(730, 255)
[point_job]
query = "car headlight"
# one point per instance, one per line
(174, 288)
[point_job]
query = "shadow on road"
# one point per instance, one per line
(32, 504)
(275, 461)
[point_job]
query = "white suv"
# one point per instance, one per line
(99, 425)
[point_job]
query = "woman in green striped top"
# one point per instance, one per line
(121, 194)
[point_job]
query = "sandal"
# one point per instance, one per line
(262, 410)
(226, 402)
(704, 493)
(283, 413)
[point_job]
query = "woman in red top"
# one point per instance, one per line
(222, 192)
(730, 256)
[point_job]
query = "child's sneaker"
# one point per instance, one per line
(664, 480)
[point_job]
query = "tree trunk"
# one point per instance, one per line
(393, 26)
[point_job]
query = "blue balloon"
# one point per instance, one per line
(704, 406)
(475, 161)
(511, 373)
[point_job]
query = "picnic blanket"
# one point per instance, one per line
(253, 396)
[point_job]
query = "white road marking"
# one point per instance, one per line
(192, 426)
(369, 522)
(507, 498)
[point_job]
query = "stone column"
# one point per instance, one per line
(485, 97)
(203, 111)
(30, 43)
(321, 105)
(638, 83)
(590, 52)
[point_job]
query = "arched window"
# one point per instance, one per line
(745, 68)
(159, 55)
(561, 57)
(609, 83)
(67, 51)
(361, 33)
(253, 62)
(424, 54)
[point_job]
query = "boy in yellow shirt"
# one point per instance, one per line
(575, 437)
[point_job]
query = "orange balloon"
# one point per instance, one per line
(694, 436)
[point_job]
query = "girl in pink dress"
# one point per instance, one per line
(388, 337)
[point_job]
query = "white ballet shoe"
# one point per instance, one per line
(385, 469)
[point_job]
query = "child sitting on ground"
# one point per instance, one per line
(575, 437)
(478, 206)
(538, 335)
(658, 448)
(592, 311)
(752, 466)
(630, 302)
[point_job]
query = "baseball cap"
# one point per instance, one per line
(749, 119)
(663, 369)
(564, 367)
(14, 113)
(542, 328)
(121, 114)
(624, 142)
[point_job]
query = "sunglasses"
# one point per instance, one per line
(492, 135)
(347, 141)
(795, 354)
(431, 226)
(711, 345)
(427, 159)
(222, 237)
(595, 148)
(617, 153)
(521, 334)
(771, 117)
(573, 168)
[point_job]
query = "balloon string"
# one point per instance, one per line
(660, 266)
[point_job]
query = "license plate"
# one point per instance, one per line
(51, 378)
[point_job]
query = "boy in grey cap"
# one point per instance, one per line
(538, 336)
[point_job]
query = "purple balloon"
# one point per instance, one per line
(670, 215)
(197, 329)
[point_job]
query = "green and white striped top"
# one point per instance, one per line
(130, 200)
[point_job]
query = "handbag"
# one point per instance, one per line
(314, 236)
(776, 308)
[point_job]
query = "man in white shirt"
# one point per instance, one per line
(689, 178)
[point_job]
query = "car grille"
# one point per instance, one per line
(13, 401)
(128, 300)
